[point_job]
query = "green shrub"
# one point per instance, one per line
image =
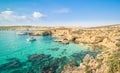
(118, 44)
(114, 62)
(88, 70)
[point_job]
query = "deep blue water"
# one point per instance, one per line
(41, 56)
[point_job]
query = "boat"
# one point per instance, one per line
(21, 33)
(31, 39)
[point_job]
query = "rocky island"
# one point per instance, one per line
(104, 38)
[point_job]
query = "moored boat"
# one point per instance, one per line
(21, 33)
(31, 39)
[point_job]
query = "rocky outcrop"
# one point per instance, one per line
(62, 40)
(46, 33)
(41, 33)
(96, 38)
(90, 65)
(102, 63)
(37, 33)
(69, 68)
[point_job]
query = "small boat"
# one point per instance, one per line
(31, 39)
(22, 33)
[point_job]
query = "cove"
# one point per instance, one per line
(41, 56)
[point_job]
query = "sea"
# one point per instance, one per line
(17, 55)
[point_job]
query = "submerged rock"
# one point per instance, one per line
(35, 57)
(51, 67)
(31, 71)
(11, 59)
(55, 66)
(64, 51)
(54, 49)
(15, 63)
(77, 57)
(17, 71)
(38, 61)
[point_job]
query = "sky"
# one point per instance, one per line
(86, 13)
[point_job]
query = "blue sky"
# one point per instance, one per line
(59, 12)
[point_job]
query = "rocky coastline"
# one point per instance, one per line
(95, 38)
(98, 38)
(103, 38)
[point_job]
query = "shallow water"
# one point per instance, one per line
(40, 56)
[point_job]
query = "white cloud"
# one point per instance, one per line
(63, 10)
(37, 15)
(8, 12)
(10, 15)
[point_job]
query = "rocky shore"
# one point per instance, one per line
(103, 38)
(106, 39)
(96, 38)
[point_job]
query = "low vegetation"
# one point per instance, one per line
(114, 62)
(88, 70)
(118, 44)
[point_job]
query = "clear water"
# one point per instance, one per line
(14, 47)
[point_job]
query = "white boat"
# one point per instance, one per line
(31, 39)
(21, 33)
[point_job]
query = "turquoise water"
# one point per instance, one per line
(40, 56)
